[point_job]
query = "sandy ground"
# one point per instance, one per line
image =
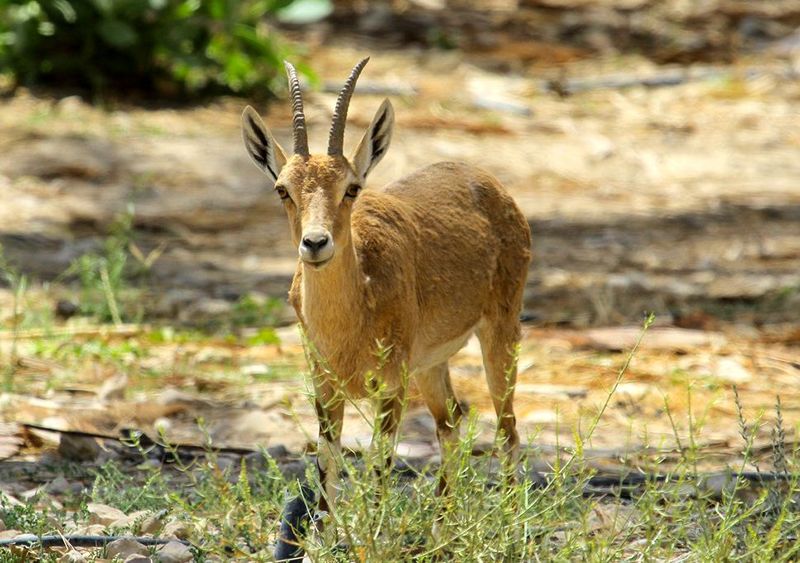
(679, 200)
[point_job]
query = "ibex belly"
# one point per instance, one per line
(426, 356)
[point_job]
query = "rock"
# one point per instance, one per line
(599, 146)
(227, 463)
(293, 469)
(103, 514)
(415, 449)
(58, 486)
(174, 552)
(9, 534)
(540, 417)
(205, 309)
(66, 309)
(124, 548)
(71, 105)
(731, 370)
(175, 529)
(130, 519)
(78, 448)
(177, 299)
(255, 369)
(72, 556)
(152, 523)
(113, 388)
(633, 390)
(137, 559)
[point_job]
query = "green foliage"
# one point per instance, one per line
(23, 516)
(252, 311)
(113, 487)
(18, 283)
(104, 275)
(169, 47)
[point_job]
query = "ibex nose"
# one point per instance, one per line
(316, 246)
(315, 241)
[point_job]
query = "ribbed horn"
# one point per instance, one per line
(299, 132)
(336, 139)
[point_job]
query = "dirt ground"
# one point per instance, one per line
(681, 200)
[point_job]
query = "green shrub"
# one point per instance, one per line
(164, 47)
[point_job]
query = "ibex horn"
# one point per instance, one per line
(299, 133)
(336, 139)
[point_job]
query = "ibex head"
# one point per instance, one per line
(318, 191)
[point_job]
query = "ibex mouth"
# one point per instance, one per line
(317, 265)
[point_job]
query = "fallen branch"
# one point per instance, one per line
(103, 330)
(128, 436)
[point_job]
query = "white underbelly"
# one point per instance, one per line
(425, 357)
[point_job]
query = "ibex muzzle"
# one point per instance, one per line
(316, 246)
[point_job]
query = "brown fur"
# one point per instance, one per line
(425, 260)
(416, 268)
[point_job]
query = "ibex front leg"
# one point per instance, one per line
(330, 412)
(389, 411)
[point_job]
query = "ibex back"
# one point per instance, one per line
(418, 266)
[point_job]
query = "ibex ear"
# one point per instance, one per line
(375, 141)
(261, 146)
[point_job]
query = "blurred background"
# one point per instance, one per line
(653, 146)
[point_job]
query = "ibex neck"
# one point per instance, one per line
(334, 294)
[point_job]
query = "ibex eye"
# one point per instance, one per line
(352, 190)
(282, 193)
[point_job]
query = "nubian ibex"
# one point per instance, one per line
(419, 266)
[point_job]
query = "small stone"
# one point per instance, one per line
(541, 416)
(135, 558)
(90, 530)
(72, 556)
(66, 309)
(633, 390)
(174, 552)
(175, 529)
(415, 449)
(130, 519)
(205, 309)
(152, 523)
(113, 388)
(78, 448)
(104, 514)
(9, 534)
(124, 548)
(162, 425)
(732, 370)
(58, 486)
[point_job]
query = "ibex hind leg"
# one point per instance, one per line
(499, 335)
(437, 392)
